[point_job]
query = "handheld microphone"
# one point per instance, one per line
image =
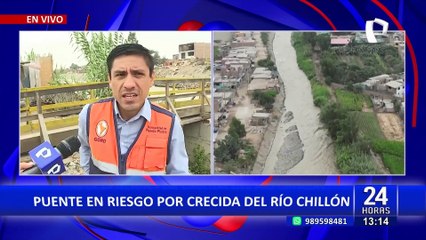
(49, 160)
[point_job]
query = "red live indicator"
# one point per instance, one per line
(33, 19)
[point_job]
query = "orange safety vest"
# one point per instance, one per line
(148, 154)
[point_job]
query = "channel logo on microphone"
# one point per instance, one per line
(369, 29)
(47, 159)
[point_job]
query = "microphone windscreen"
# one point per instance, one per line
(68, 146)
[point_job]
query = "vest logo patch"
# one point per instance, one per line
(101, 128)
(161, 130)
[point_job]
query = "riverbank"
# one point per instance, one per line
(277, 111)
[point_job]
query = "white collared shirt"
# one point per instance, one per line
(128, 130)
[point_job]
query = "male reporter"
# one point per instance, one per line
(127, 134)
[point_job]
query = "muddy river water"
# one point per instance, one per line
(301, 144)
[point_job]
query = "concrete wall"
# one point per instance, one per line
(197, 133)
(46, 70)
(202, 50)
(223, 36)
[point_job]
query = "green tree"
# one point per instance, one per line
(309, 37)
(217, 53)
(132, 38)
(200, 163)
(323, 41)
(328, 64)
(31, 56)
(95, 48)
(221, 154)
(249, 157)
(74, 67)
(340, 74)
(268, 63)
(265, 38)
(348, 132)
(237, 127)
(331, 115)
(236, 153)
(228, 149)
(156, 56)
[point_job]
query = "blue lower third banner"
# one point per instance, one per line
(177, 200)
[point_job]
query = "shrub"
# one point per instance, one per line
(268, 63)
(348, 132)
(320, 101)
(331, 115)
(266, 99)
(200, 163)
(303, 53)
(320, 94)
(351, 161)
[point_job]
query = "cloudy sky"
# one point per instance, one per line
(59, 44)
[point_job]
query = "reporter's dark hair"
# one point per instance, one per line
(130, 49)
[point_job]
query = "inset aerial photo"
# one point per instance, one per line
(309, 103)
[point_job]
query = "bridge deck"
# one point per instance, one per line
(57, 121)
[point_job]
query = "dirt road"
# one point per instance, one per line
(392, 126)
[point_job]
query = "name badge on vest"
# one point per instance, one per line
(101, 131)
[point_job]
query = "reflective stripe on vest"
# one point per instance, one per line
(148, 154)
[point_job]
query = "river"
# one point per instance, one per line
(301, 144)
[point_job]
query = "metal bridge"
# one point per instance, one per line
(188, 98)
